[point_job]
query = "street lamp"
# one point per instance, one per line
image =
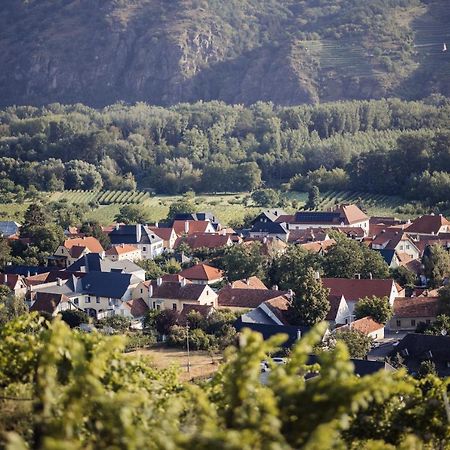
(187, 346)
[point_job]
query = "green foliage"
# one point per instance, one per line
(74, 317)
(444, 300)
(130, 214)
(5, 252)
(183, 206)
(436, 261)
(404, 276)
(244, 261)
(313, 198)
(376, 307)
(358, 343)
(117, 323)
(310, 304)
(93, 228)
(266, 197)
(441, 326)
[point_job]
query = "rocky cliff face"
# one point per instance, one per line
(164, 52)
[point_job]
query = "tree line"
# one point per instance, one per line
(214, 147)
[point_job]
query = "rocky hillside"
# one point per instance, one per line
(168, 51)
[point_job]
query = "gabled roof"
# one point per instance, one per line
(318, 247)
(91, 243)
(351, 213)
(8, 228)
(335, 302)
(246, 298)
(25, 270)
(428, 224)
(307, 235)
(177, 290)
(365, 325)
(270, 214)
(47, 302)
(93, 262)
(351, 232)
(137, 307)
(10, 280)
(416, 307)
(248, 283)
(121, 249)
(193, 226)
(127, 234)
(163, 232)
(388, 255)
(202, 272)
(318, 217)
(354, 289)
(106, 284)
(269, 227)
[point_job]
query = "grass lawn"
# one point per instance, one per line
(163, 358)
(226, 207)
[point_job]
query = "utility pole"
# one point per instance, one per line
(187, 346)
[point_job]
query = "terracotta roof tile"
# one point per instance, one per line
(89, 242)
(365, 325)
(9, 280)
(248, 283)
(354, 289)
(177, 291)
(164, 233)
(317, 247)
(335, 301)
(246, 298)
(427, 224)
(202, 272)
(137, 307)
(195, 226)
(121, 249)
(47, 302)
(416, 307)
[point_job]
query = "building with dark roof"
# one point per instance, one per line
(415, 348)
(241, 298)
(9, 228)
(269, 230)
(141, 237)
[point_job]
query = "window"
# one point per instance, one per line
(413, 323)
(399, 323)
(428, 321)
(144, 249)
(154, 305)
(142, 291)
(75, 301)
(97, 299)
(158, 307)
(174, 306)
(408, 246)
(88, 299)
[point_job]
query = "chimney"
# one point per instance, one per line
(150, 290)
(370, 275)
(299, 335)
(290, 294)
(247, 281)
(157, 224)
(122, 245)
(186, 226)
(5, 278)
(183, 282)
(317, 275)
(358, 276)
(275, 287)
(159, 281)
(138, 233)
(117, 226)
(58, 282)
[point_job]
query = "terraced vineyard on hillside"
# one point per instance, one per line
(101, 197)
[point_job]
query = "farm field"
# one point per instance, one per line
(227, 207)
(201, 364)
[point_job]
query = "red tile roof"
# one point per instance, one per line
(207, 240)
(195, 226)
(428, 224)
(121, 249)
(351, 213)
(137, 307)
(164, 233)
(416, 307)
(47, 302)
(335, 301)
(365, 325)
(10, 280)
(354, 289)
(202, 272)
(246, 298)
(177, 291)
(279, 306)
(248, 283)
(318, 247)
(89, 242)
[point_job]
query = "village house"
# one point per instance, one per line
(367, 326)
(269, 230)
(50, 303)
(73, 249)
(202, 274)
(95, 262)
(16, 283)
(139, 236)
(395, 240)
(409, 312)
(123, 251)
(248, 283)
(307, 235)
(356, 289)
(168, 235)
(160, 294)
(339, 313)
(340, 216)
(429, 224)
(188, 227)
(9, 229)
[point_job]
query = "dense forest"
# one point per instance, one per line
(239, 51)
(384, 146)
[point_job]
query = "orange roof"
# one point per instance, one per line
(10, 280)
(416, 306)
(202, 272)
(319, 246)
(351, 213)
(137, 307)
(248, 283)
(428, 224)
(365, 325)
(89, 242)
(121, 249)
(246, 298)
(164, 233)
